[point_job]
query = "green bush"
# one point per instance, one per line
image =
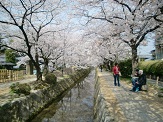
(10, 56)
(149, 67)
(1, 67)
(126, 68)
(50, 78)
(152, 67)
(159, 70)
(20, 88)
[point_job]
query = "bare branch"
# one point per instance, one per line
(21, 51)
(15, 23)
(145, 33)
(155, 17)
(7, 23)
(123, 4)
(100, 18)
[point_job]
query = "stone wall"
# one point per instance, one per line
(106, 108)
(23, 108)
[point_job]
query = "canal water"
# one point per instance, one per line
(75, 106)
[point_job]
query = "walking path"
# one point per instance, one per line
(137, 106)
(5, 87)
(25, 80)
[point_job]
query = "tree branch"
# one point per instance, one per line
(21, 51)
(15, 23)
(9, 23)
(145, 33)
(124, 4)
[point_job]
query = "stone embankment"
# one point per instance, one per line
(24, 108)
(106, 108)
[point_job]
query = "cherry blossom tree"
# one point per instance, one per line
(26, 21)
(130, 20)
(104, 45)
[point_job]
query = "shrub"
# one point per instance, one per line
(40, 85)
(126, 68)
(159, 68)
(152, 67)
(50, 78)
(10, 56)
(20, 88)
(147, 66)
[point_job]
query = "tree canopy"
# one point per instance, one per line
(77, 32)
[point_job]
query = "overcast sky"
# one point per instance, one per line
(145, 50)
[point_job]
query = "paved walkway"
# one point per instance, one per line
(25, 80)
(5, 90)
(137, 106)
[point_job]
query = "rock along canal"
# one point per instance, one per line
(75, 106)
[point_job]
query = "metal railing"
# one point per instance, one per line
(156, 82)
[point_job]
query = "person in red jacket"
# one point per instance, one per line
(116, 71)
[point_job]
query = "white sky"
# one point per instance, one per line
(145, 50)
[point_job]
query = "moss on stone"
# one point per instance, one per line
(20, 88)
(50, 78)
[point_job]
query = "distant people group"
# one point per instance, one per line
(138, 80)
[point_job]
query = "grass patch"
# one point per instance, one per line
(161, 89)
(127, 80)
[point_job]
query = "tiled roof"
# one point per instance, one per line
(5, 63)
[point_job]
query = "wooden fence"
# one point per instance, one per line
(11, 75)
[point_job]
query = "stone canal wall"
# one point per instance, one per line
(106, 108)
(23, 108)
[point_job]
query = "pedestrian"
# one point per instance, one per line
(101, 67)
(140, 81)
(116, 71)
(135, 77)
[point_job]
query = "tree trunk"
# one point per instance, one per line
(39, 74)
(38, 69)
(46, 69)
(29, 68)
(134, 59)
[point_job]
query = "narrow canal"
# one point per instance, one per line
(75, 106)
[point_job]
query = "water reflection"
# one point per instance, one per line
(75, 106)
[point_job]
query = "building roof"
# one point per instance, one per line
(6, 64)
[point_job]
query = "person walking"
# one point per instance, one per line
(116, 71)
(101, 67)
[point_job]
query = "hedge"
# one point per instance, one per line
(154, 67)
(126, 68)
